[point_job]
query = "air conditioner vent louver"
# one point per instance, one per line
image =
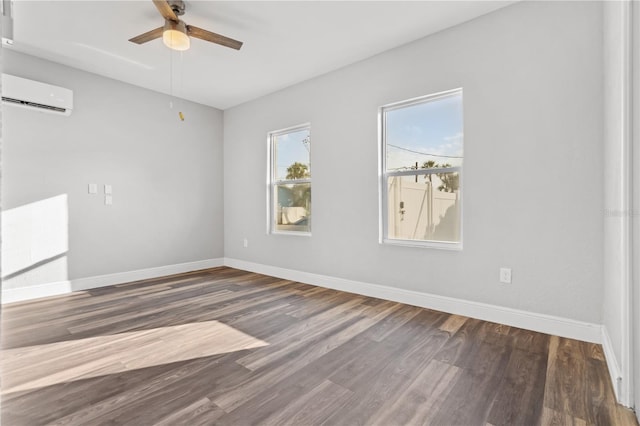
(35, 95)
(32, 104)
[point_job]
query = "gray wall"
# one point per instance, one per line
(166, 174)
(532, 79)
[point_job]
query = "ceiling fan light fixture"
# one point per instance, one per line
(175, 35)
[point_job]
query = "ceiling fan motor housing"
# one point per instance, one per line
(175, 26)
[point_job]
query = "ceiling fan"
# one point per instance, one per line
(175, 33)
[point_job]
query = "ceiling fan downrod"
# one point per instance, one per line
(177, 6)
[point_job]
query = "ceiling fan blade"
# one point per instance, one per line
(148, 36)
(165, 10)
(213, 37)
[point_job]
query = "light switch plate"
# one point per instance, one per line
(93, 188)
(108, 189)
(108, 200)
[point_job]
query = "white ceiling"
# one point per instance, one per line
(285, 42)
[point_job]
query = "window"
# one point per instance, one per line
(290, 181)
(421, 166)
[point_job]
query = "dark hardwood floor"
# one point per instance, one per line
(229, 347)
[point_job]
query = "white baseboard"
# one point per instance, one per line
(612, 364)
(143, 274)
(549, 324)
(63, 287)
(542, 323)
(19, 294)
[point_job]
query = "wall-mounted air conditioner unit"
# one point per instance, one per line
(35, 95)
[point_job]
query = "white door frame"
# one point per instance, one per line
(634, 283)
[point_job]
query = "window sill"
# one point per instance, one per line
(294, 233)
(440, 245)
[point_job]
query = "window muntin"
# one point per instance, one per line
(290, 181)
(421, 167)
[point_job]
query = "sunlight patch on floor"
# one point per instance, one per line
(61, 362)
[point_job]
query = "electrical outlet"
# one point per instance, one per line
(505, 275)
(108, 200)
(245, 243)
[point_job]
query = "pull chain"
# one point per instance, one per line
(170, 78)
(171, 94)
(180, 114)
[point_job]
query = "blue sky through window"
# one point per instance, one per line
(291, 148)
(426, 131)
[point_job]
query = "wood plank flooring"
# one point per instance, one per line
(228, 347)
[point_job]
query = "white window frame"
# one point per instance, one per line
(273, 182)
(384, 176)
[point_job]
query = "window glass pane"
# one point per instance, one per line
(422, 135)
(424, 207)
(293, 207)
(427, 134)
(291, 152)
